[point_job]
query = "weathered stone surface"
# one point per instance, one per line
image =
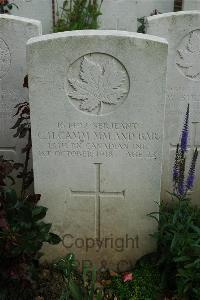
(145, 7)
(119, 15)
(97, 107)
(36, 9)
(191, 5)
(14, 33)
(123, 14)
(182, 30)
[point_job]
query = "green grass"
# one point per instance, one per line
(144, 286)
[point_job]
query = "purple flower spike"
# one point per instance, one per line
(175, 174)
(176, 168)
(190, 181)
(185, 131)
(181, 189)
(191, 174)
(181, 178)
(182, 185)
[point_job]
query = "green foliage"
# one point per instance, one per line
(78, 15)
(78, 286)
(142, 25)
(6, 6)
(179, 247)
(23, 130)
(178, 233)
(22, 234)
(143, 21)
(144, 285)
(22, 229)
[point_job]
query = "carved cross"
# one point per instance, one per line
(98, 194)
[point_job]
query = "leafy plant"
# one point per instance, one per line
(179, 247)
(178, 235)
(22, 229)
(143, 286)
(143, 21)
(77, 15)
(142, 25)
(6, 6)
(23, 130)
(22, 234)
(6, 168)
(78, 286)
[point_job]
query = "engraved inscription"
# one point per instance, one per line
(5, 58)
(95, 140)
(98, 194)
(98, 83)
(188, 56)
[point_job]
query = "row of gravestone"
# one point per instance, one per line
(116, 14)
(98, 115)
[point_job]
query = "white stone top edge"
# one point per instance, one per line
(102, 33)
(171, 14)
(21, 19)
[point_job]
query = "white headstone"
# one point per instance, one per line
(123, 14)
(97, 107)
(119, 15)
(182, 30)
(191, 4)
(36, 9)
(146, 7)
(14, 33)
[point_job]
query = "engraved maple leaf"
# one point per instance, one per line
(98, 84)
(190, 56)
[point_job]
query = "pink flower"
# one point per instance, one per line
(127, 277)
(13, 274)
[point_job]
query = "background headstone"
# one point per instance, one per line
(117, 14)
(36, 9)
(123, 14)
(182, 30)
(145, 7)
(191, 4)
(97, 108)
(14, 33)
